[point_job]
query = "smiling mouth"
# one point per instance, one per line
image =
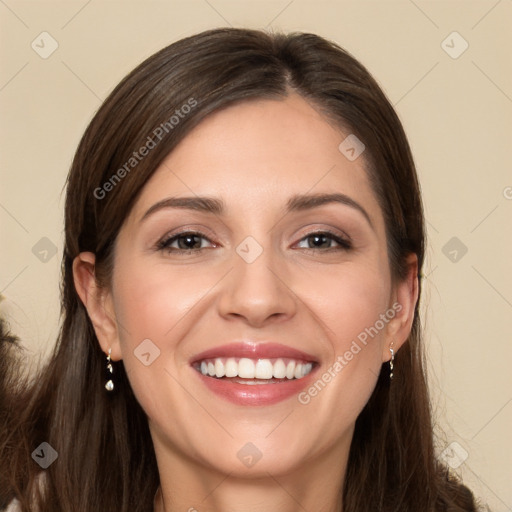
(254, 371)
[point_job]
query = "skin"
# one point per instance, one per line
(254, 156)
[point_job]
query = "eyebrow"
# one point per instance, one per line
(299, 202)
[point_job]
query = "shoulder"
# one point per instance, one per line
(14, 506)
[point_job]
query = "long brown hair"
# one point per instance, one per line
(106, 460)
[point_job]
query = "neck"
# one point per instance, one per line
(187, 486)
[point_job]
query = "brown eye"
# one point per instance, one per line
(186, 242)
(323, 240)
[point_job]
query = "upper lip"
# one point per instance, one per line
(254, 350)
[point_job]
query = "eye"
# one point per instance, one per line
(322, 240)
(192, 241)
(188, 241)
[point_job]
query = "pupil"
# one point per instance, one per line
(317, 238)
(188, 241)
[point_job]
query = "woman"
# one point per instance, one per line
(244, 240)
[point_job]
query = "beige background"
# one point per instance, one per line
(457, 113)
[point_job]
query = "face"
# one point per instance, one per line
(257, 277)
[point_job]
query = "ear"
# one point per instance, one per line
(98, 302)
(404, 299)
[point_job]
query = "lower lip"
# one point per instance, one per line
(256, 394)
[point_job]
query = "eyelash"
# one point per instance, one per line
(163, 245)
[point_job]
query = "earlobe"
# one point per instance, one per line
(96, 301)
(406, 297)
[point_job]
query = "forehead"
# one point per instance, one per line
(257, 154)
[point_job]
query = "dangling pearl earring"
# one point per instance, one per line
(109, 386)
(391, 361)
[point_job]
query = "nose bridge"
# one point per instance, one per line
(256, 290)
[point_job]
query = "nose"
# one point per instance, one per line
(258, 292)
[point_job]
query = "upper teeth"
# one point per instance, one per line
(255, 369)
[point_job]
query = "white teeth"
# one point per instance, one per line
(219, 368)
(246, 368)
(279, 369)
(264, 369)
(231, 368)
(290, 370)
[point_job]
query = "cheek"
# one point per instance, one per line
(351, 304)
(349, 301)
(150, 306)
(150, 302)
